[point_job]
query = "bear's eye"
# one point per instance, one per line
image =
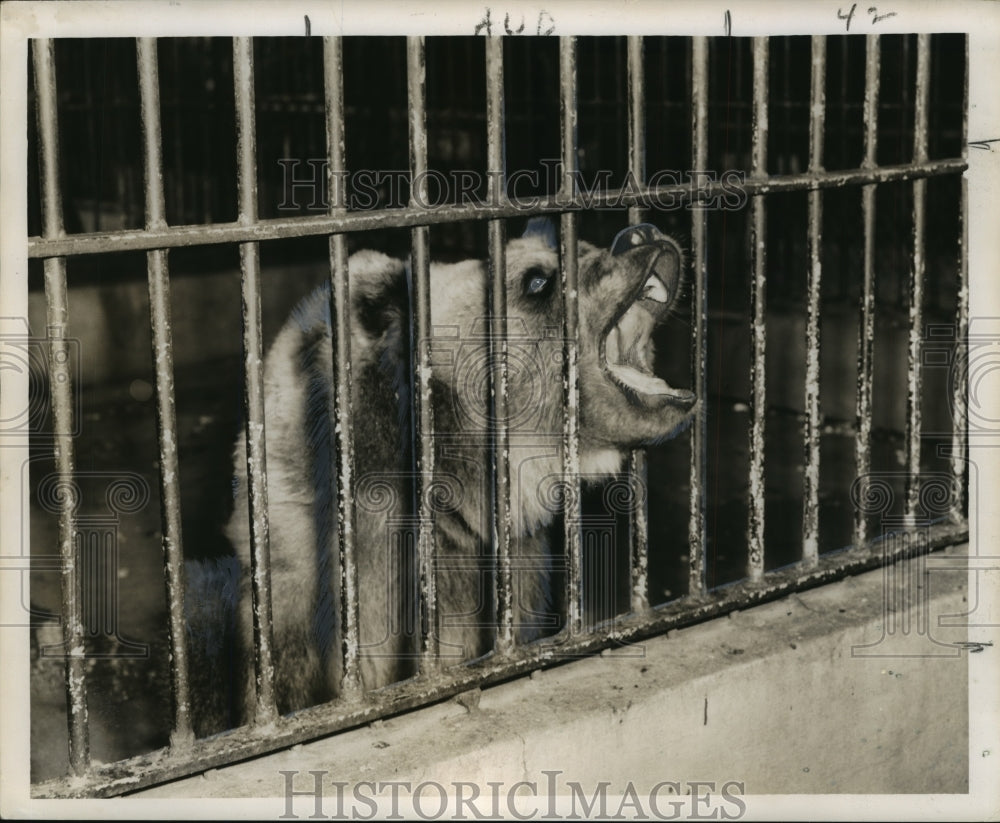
(537, 281)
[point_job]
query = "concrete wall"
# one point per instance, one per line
(794, 696)
(111, 319)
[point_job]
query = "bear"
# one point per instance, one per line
(624, 292)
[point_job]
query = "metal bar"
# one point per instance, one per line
(758, 299)
(959, 389)
(422, 410)
(785, 70)
(915, 378)
(636, 122)
(61, 391)
(496, 169)
(282, 227)
(638, 474)
(318, 721)
(253, 385)
(697, 526)
(811, 433)
(163, 362)
(637, 468)
(570, 305)
(866, 334)
(343, 413)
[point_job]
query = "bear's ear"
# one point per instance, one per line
(379, 290)
(543, 228)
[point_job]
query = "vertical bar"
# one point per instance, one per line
(570, 298)
(758, 297)
(786, 105)
(61, 390)
(163, 360)
(422, 410)
(844, 65)
(636, 121)
(496, 171)
(810, 491)
(637, 468)
(343, 423)
(915, 379)
(699, 356)
(958, 401)
(253, 382)
(866, 335)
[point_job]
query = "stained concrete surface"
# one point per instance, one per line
(799, 695)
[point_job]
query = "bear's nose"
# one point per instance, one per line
(634, 236)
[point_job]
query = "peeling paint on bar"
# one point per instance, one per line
(958, 404)
(497, 172)
(758, 298)
(162, 765)
(422, 410)
(570, 297)
(866, 333)
(343, 412)
(253, 385)
(915, 367)
(697, 526)
(639, 531)
(61, 392)
(811, 434)
(637, 469)
(166, 419)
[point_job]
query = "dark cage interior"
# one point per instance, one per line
(101, 163)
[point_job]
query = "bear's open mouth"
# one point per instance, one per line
(627, 348)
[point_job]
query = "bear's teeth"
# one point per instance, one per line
(655, 290)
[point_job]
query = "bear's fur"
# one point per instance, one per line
(624, 292)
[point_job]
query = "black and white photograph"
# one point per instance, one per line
(460, 410)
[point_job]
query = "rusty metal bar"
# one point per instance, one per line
(699, 354)
(571, 320)
(496, 169)
(61, 391)
(422, 411)
(637, 468)
(959, 388)
(163, 363)
(253, 384)
(318, 721)
(758, 299)
(343, 413)
(866, 333)
(915, 378)
(811, 433)
(310, 226)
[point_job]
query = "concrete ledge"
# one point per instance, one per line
(794, 696)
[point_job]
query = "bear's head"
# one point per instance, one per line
(624, 292)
